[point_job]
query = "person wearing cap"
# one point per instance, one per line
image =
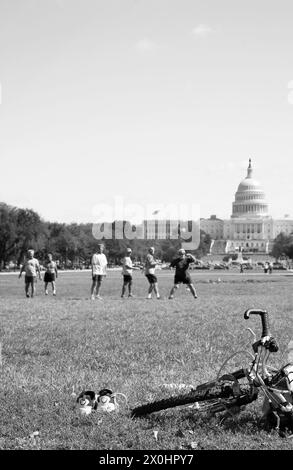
(150, 267)
(182, 276)
(127, 269)
(99, 271)
(31, 267)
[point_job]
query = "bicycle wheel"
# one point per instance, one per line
(210, 397)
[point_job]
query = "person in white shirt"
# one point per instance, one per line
(31, 267)
(127, 269)
(99, 270)
(150, 267)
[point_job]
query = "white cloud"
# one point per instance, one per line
(145, 45)
(202, 30)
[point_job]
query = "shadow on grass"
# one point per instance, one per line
(246, 423)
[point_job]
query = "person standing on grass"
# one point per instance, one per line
(99, 270)
(51, 274)
(31, 267)
(127, 268)
(182, 276)
(150, 267)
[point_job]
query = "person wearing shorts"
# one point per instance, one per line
(182, 276)
(31, 267)
(99, 269)
(127, 269)
(150, 267)
(51, 274)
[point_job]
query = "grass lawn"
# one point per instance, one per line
(52, 347)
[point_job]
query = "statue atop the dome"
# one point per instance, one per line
(249, 169)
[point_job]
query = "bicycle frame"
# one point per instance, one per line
(274, 385)
(233, 391)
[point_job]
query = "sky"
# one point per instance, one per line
(154, 102)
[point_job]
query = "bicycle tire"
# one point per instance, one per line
(214, 397)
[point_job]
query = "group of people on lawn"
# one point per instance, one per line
(181, 263)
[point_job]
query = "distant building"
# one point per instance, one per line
(213, 226)
(250, 229)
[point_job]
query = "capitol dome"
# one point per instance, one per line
(249, 198)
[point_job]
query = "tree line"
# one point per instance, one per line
(283, 246)
(72, 244)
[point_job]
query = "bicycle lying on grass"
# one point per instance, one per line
(232, 392)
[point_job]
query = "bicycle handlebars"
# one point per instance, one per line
(264, 319)
(270, 342)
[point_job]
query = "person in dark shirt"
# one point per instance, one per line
(182, 276)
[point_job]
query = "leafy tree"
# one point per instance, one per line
(20, 229)
(73, 244)
(204, 245)
(30, 231)
(8, 233)
(61, 242)
(283, 246)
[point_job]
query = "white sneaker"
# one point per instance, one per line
(46, 292)
(92, 297)
(149, 296)
(99, 297)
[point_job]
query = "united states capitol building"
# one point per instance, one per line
(250, 228)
